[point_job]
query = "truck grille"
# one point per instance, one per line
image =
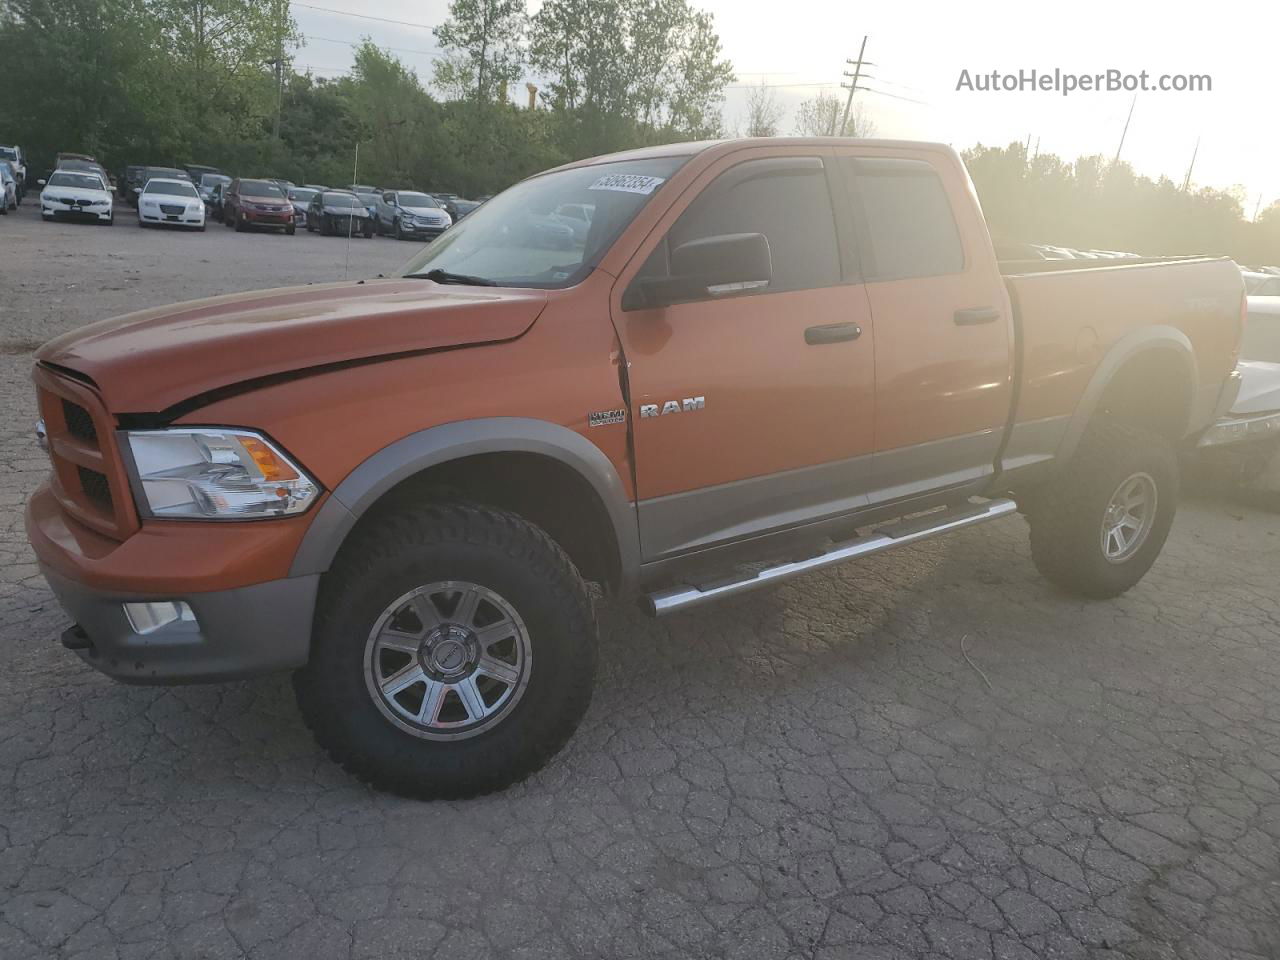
(88, 476)
(96, 489)
(79, 423)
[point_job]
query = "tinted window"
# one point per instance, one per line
(260, 188)
(84, 181)
(904, 219)
(170, 189)
(416, 200)
(787, 200)
(340, 200)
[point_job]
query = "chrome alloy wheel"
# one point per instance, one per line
(1129, 517)
(448, 660)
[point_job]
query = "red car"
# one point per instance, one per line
(256, 203)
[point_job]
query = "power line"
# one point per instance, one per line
(351, 43)
(362, 16)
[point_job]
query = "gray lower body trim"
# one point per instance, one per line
(704, 518)
(916, 470)
(237, 633)
(1033, 442)
(712, 516)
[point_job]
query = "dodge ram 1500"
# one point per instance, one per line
(757, 360)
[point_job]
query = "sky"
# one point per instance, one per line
(919, 49)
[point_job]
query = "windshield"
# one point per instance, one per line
(170, 189)
(9, 153)
(260, 188)
(82, 181)
(514, 239)
(303, 195)
(210, 179)
(417, 200)
(343, 200)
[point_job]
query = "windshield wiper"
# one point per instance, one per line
(444, 276)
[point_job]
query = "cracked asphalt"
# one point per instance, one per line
(926, 754)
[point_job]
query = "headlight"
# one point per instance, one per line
(216, 475)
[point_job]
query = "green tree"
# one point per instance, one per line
(483, 40)
(629, 73)
(77, 75)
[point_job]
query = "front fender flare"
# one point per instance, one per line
(367, 483)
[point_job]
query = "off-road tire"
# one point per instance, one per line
(442, 542)
(1066, 516)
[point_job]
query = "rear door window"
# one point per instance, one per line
(903, 219)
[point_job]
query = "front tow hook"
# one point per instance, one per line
(74, 638)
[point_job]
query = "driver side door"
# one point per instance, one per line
(753, 411)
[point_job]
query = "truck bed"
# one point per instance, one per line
(1056, 357)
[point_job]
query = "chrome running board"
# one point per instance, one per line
(899, 534)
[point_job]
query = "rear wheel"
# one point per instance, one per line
(453, 654)
(1102, 521)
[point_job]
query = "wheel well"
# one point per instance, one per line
(542, 490)
(1151, 391)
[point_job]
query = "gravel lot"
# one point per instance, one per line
(928, 754)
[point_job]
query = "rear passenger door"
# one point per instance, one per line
(943, 346)
(747, 417)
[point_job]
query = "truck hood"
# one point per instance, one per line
(147, 362)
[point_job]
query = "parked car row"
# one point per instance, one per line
(79, 187)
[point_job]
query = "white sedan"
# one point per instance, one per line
(170, 201)
(76, 194)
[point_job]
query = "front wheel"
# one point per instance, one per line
(453, 653)
(1102, 521)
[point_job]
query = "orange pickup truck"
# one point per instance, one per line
(744, 361)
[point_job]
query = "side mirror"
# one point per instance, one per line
(137, 189)
(41, 183)
(710, 267)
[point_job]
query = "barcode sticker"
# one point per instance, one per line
(627, 183)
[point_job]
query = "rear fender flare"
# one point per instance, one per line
(1160, 337)
(373, 478)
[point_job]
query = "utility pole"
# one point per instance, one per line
(1186, 181)
(1257, 208)
(279, 64)
(853, 86)
(1125, 131)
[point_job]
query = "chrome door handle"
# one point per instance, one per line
(832, 333)
(976, 315)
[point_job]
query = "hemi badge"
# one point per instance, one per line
(601, 418)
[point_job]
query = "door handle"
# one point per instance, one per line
(976, 315)
(832, 333)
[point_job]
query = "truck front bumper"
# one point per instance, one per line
(233, 629)
(232, 633)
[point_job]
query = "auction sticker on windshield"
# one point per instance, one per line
(627, 183)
